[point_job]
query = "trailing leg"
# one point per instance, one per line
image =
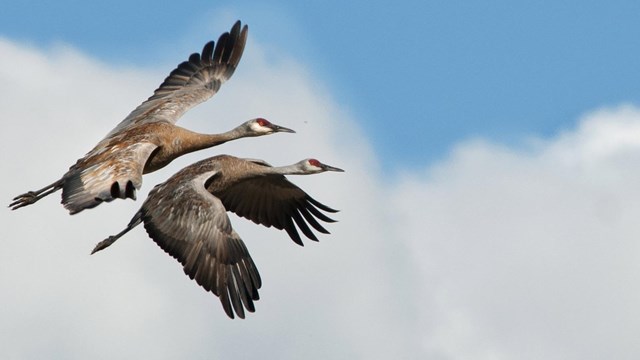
(31, 197)
(137, 219)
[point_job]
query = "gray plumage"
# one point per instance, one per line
(148, 139)
(186, 216)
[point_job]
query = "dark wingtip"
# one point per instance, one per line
(235, 29)
(293, 233)
(321, 205)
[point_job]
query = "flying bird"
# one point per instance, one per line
(186, 216)
(148, 139)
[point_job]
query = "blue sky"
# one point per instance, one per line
(419, 75)
(488, 211)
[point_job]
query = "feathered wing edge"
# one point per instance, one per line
(192, 81)
(235, 281)
(273, 200)
(200, 237)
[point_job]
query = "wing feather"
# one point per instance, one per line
(312, 221)
(191, 82)
(192, 226)
(272, 200)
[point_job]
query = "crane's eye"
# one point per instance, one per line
(314, 162)
(263, 122)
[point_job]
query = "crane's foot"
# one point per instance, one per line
(104, 244)
(24, 200)
(30, 197)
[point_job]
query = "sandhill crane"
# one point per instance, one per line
(186, 217)
(148, 139)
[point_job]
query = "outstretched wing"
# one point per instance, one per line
(192, 225)
(192, 82)
(272, 200)
(114, 171)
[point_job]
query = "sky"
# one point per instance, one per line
(422, 73)
(488, 209)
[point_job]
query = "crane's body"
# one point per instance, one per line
(186, 216)
(148, 139)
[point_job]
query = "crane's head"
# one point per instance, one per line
(260, 126)
(313, 166)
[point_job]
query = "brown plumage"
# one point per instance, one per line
(148, 138)
(186, 216)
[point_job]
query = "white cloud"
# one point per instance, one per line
(492, 253)
(531, 253)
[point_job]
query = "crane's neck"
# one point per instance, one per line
(238, 171)
(196, 141)
(180, 141)
(293, 169)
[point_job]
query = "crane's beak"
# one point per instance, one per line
(278, 128)
(326, 167)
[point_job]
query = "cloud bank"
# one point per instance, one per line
(493, 252)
